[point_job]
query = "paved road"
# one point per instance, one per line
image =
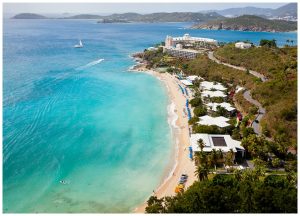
(247, 95)
(261, 112)
(254, 73)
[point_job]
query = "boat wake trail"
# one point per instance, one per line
(90, 64)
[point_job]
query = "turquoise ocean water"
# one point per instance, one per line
(69, 115)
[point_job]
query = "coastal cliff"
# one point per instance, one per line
(248, 23)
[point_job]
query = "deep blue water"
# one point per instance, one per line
(68, 116)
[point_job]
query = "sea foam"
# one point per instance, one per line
(90, 64)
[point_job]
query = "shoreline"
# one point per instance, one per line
(180, 134)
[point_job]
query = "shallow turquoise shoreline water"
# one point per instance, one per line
(68, 116)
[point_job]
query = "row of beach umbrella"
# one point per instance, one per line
(186, 92)
(181, 89)
(191, 152)
(188, 109)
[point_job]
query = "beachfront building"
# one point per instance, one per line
(187, 46)
(242, 45)
(219, 121)
(217, 141)
(205, 85)
(227, 106)
(181, 53)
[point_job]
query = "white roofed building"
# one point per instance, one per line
(205, 85)
(211, 94)
(227, 106)
(182, 46)
(242, 45)
(216, 141)
(181, 53)
(219, 121)
(188, 38)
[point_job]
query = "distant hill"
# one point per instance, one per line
(28, 16)
(153, 17)
(84, 16)
(283, 11)
(249, 23)
(245, 10)
(286, 10)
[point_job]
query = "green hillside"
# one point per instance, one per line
(249, 23)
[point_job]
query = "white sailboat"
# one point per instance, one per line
(80, 45)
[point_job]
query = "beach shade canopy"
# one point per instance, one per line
(187, 82)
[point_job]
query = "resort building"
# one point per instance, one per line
(217, 141)
(227, 106)
(187, 40)
(242, 45)
(205, 85)
(181, 53)
(211, 94)
(218, 121)
(187, 46)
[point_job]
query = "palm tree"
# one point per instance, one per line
(220, 155)
(201, 172)
(201, 144)
(292, 41)
(203, 160)
(229, 158)
(287, 41)
(197, 158)
(214, 158)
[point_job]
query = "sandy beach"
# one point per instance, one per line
(183, 163)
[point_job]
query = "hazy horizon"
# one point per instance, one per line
(109, 8)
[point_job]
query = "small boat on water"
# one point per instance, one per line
(80, 45)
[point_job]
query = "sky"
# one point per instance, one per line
(108, 8)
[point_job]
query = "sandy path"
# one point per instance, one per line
(184, 164)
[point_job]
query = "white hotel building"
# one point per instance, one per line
(173, 46)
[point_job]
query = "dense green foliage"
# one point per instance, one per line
(251, 190)
(268, 43)
(200, 111)
(244, 192)
(270, 62)
(279, 94)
